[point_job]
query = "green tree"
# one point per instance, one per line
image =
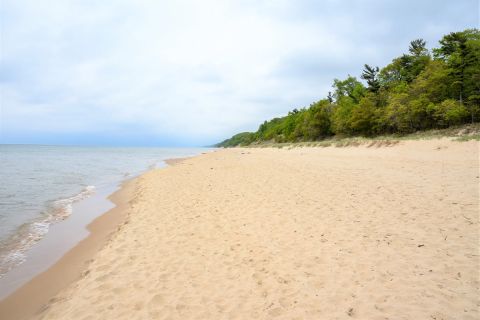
(396, 117)
(407, 67)
(370, 74)
(392, 75)
(419, 58)
(341, 115)
(418, 48)
(461, 52)
(317, 120)
(434, 82)
(349, 87)
(450, 112)
(363, 116)
(411, 93)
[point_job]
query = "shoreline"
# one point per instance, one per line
(61, 237)
(43, 287)
(302, 233)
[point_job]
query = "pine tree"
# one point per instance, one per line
(370, 74)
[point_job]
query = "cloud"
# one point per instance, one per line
(190, 72)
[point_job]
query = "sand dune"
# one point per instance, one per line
(307, 233)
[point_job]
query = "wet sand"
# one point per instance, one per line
(307, 233)
(30, 299)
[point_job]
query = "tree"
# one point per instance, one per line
(461, 52)
(349, 87)
(434, 82)
(407, 67)
(392, 75)
(413, 92)
(362, 119)
(317, 121)
(370, 74)
(290, 128)
(330, 97)
(341, 115)
(240, 139)
(418, 48)
(450, 112)
(396, 118)
(347, 94)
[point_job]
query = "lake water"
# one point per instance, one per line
(41, 184)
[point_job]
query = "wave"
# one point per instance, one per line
(13, 250)
(63, 208)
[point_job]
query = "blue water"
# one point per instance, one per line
(39, 185)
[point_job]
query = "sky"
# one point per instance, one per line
(191, 73)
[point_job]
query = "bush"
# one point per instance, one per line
(450, 112)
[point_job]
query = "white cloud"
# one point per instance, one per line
(204, 69)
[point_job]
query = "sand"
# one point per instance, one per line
(30, 299)
(307, 233)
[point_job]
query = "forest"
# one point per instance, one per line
(420, 90)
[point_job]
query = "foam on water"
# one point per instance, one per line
(63, 208)
(13, 250)
(40, 185)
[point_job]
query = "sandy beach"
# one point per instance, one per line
(308, 233)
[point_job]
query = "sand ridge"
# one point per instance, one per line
(307, 233)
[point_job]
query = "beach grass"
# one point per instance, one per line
(459, 133)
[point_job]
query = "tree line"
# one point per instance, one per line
(419, 90)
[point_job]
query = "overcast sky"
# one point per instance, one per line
(184, 72)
